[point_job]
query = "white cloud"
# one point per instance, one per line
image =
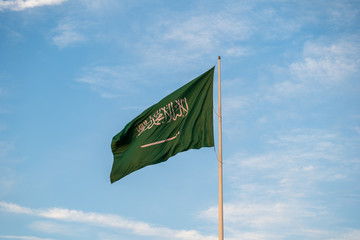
(68, 33)
(105, 220)
(300, 153)
(99, 5)
(237, 51)
(322, 66)
(327, 63)
(23, 237)
(19, 5)
(278, 192)
(272, 23)
(231, 104)
(51, 227)
(183, 39)
(343, 13)
(275, 220)
(111, 81)
(286, 88)
(254, 215)
(205, 32)
(351, 234)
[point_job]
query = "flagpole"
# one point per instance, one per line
(221, 217)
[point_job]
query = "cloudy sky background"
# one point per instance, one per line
(73, 73)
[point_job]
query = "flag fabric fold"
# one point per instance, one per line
(181, 121)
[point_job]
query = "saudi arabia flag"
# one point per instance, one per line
(181, 121)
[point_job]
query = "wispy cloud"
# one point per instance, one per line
(302, 153)
(276, 220)
(205, 32)
(105, 220)
(352, 234)
(254, 215)
(233, 104)
(23, 237)
(68, 32)
(328, 63)
(183, 38)
(176, 39)
(323, 64)
(19, 5)
(275, 190)
(51, 227)
(110, 81)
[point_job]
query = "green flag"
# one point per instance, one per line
(181, 121)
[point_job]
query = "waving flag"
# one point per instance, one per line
(181, 121)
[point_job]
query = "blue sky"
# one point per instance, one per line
(73, 73)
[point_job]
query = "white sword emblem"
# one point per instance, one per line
(162, 141)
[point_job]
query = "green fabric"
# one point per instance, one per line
(181, 121)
